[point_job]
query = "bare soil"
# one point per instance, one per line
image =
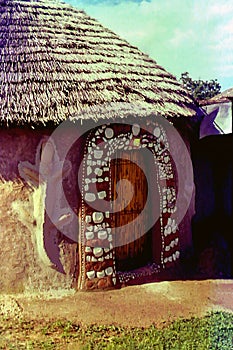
(136, 306)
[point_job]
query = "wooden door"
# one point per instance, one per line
(129, 166)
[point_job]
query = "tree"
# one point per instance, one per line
(200, 89)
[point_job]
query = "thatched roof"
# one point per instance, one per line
(55, 61)
(223, 97)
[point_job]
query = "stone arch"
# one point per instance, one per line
(96, 248)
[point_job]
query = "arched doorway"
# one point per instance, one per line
(112, 153)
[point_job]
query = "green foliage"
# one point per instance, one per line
(200, 89)
(212, 332)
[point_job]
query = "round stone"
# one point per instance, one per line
(157, 131)
(135, 129)
(109, 133)
(98, 171)
(109, 271)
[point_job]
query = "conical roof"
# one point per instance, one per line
(224, 96)
(56, 61)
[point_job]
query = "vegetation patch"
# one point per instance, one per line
(214, 331)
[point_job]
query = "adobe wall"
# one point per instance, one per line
(24, 265)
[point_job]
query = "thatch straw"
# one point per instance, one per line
(223, 97)
(55, 61)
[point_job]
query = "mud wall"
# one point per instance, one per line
(25, 263)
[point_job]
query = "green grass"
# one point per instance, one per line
(212, 332)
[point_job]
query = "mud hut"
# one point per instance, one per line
(58, 64)
(219, 112)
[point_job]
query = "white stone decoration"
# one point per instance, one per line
(89, 235)
(90, 197)
(157, 132)
(97, 217)
(98, 171)
(109, 271)
(100, 274)
(102, 194)
(89, 170)
(88, 250)
(135, 129)
(88, 219)
(98, 154)
(98, 252)
(102, 235)
(109, 133)
(91, 274)
(98, 163)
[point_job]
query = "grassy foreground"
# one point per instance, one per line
(214, 331)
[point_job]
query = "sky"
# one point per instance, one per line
(194, 36)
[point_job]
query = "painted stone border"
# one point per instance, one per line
(96, 249)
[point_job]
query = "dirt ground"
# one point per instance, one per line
(140, 306)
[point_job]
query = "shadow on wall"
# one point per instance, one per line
(212, 223)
